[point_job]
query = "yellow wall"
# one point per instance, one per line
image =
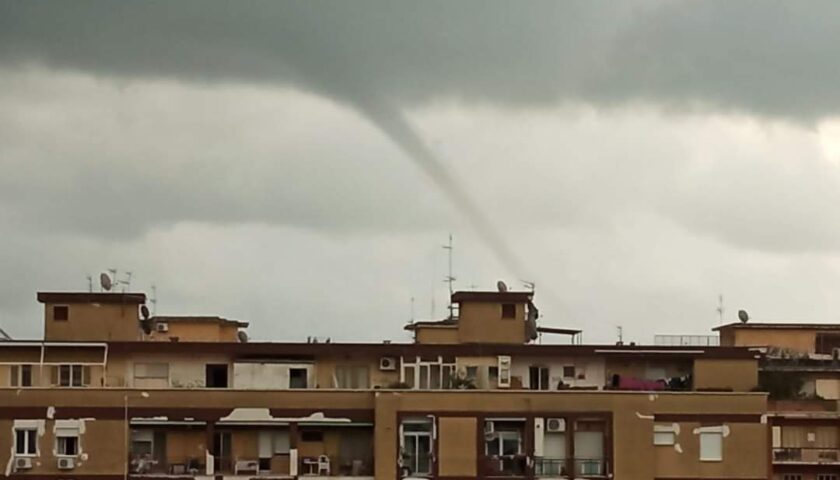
(720, 374)
(457, 448)
(742, 451)
(482, 322)
(196, 332)
(436, 335)
(796, 340)
(94, 322)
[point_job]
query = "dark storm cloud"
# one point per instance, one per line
(772, 58)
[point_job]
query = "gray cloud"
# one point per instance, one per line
(763, 57)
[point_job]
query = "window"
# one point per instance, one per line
(73, 376)
(568, 371)
(504, 371)
(297, 377)
(538, 378)
(281, 442)
(504, 443)
(826, 476)
(141, 443)
(61, 313)
(26, 442)
(792, 476)
(426, 374)
(352, 376)
(416, 447)
(21, 376)
(711, 446)
(508, 310)
(664, 435)
(68, 444)
(589, 447)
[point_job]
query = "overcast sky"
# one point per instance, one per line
(298, 165)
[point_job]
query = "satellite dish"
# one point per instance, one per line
(743, 316)
(144, 311)
(243, 337)
(146, 326)
(501, 286)
(105, 281)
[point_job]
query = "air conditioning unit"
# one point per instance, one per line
(387, 363)
(162, 327)
(66, 463)
(23, 463)
(555, 425)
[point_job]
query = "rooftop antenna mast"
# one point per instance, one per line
(720, 308)
(153, 299)
(127, 282)
(620, 335)
(90, 283)
(450, 279)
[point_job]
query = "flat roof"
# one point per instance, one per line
(559, 331)
(256, 350)
(780, 326)
(501, 297)
(89, 297)
(197, 319)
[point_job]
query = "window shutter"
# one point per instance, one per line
(85, 376)
(14, 375)
(54, 375)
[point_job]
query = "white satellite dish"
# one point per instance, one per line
(105, 281)
(144, 311)
(501, 286)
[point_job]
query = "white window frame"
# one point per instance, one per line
(58, 446)
(29, 432)
(418, 365)
(504, 365)
(16, 375)
(72, 375)
(431, 434)
(664, 435)
(711, 432)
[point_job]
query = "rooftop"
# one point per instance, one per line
(198, 319)
(89, 297)
(494, 297)
(780, 326)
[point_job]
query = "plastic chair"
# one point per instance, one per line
(323, 465)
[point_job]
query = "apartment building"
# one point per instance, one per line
(109, 392)
(801, 370)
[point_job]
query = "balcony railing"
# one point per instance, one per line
(558, 467)
(806, 455)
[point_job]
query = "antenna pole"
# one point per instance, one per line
(449, 278)
(90, 283)
(412, 309)
(153, 300)
(620, 335)
(720, 308)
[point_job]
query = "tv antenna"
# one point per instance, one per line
(530, 285)
(90, 283)
(125, 283)
(720, 308)
(153, 299)
(450, 279)
(620, 334)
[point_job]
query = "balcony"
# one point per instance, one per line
(806, 455)
(558, 468)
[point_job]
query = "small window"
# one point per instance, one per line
(311, 436)
(826, 476)
(297, 377)
(792, 476)
(73, 376)
(711, 446)
(281, 442)
(508, 310)
(25, 442)
(569, 371)
(61, 313)
(67, 446)
(664, 438)
(351, 376)
(20, 376)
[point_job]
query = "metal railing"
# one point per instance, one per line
(806, 455)
(686, 340)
